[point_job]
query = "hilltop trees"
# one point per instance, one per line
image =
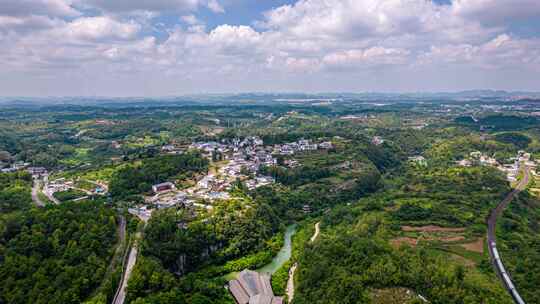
(55, 255)
(15, 191)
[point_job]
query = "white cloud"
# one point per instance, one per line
(374, 56)
(214, 6)
(26, 23)
(493, 12)
(98, 28)
(37, 7)
(191, 20)
(127, 6)
(501, 52)
(320, 39)
(240, 38)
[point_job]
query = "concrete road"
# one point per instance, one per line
(121, 292)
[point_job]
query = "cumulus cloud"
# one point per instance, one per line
(501, 51)
(97, 28)
(17, 8)
(127, 6)
(320, 38)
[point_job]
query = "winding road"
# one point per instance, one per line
(492, 224)
(290, 282)
(317, 231)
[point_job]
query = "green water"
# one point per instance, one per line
(283, 255)
(281, 258)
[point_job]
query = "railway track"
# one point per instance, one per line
(492, 244)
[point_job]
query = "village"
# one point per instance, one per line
(233, 161)
(511, 169)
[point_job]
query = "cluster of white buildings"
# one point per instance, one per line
(57, 185)
(478, 158)
(242, 159)
(172, 149)
(62, 184)
(511, 169)
(253, 147)
(6, 167)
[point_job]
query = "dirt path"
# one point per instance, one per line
(317, 231)
(290, 283)
(35, 190)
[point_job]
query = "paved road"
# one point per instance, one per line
(51, 197)
(132, 260)
(35, 191)
(492, 221)
(122, 230)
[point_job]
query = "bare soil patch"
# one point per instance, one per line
(462, 260)
(476, 246)
(431, 228)
(450, 239)
(398, 242)
(393, 296)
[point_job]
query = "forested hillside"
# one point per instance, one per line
(15, 191)
(56, 254)
(519, 241)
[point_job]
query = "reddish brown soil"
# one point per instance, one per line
(398, 242)
(476, 246)
(431, 228)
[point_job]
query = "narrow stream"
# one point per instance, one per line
(283, 255)
(281, 258)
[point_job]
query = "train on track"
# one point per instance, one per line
(504, 274)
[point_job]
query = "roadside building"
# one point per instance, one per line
(419, 159)
(37, 172)
(163, 187)
(326, 145)
(9, 170)
(251, 287)
(464, 163)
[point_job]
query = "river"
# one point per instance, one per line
(281, 258)
(283, 255)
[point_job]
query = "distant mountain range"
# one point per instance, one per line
(486, 95)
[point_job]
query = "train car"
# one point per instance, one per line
(517, 297)
(500, 266)
(496, 254)
(508, 282)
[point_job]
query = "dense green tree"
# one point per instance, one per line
(57, 254)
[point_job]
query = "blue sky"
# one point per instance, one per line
(174, 47)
